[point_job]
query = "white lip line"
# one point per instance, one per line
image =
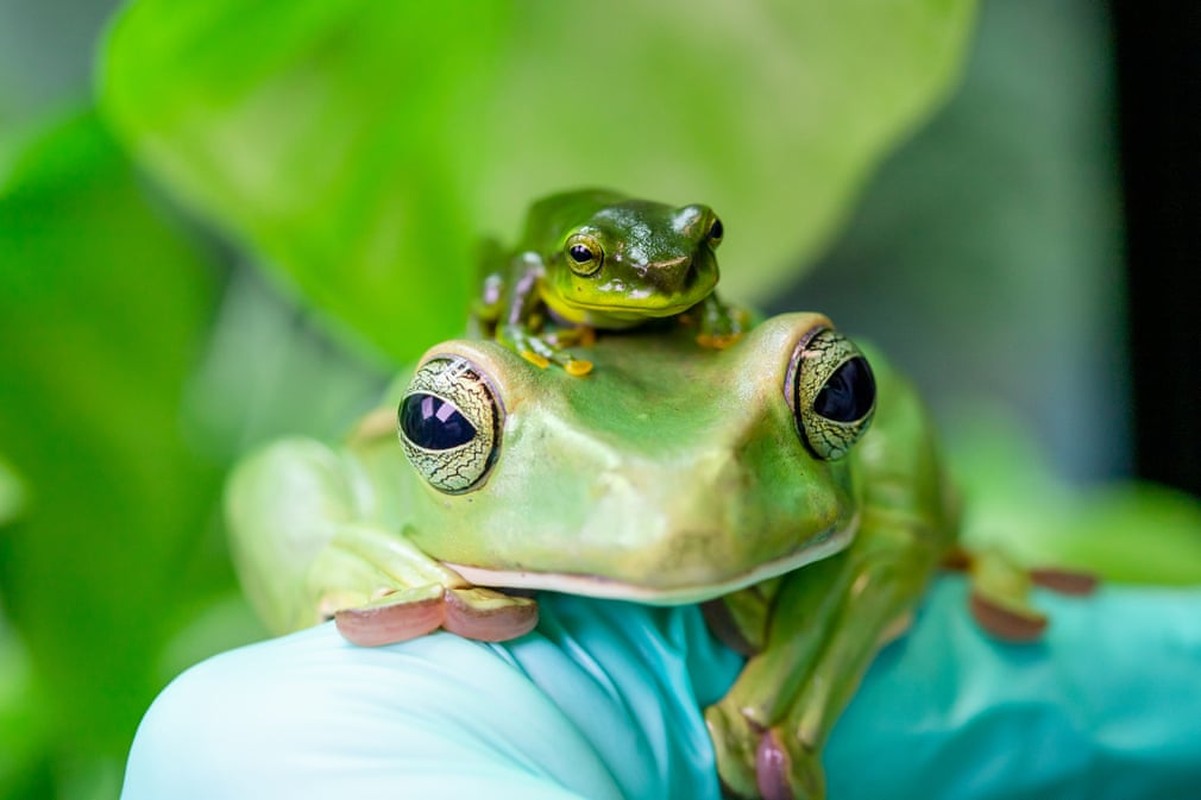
(592, 586)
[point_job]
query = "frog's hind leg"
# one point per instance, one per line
(491, 264)
(380, 588)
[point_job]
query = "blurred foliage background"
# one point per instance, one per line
(222, 222)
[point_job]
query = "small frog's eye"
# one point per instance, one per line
(832, 393)
(584, 254)
(716, 232)
(449, 424)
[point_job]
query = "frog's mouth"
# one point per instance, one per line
(822, 546)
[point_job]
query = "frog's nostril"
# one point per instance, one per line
(674, 273)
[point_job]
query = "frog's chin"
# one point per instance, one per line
(824, 546)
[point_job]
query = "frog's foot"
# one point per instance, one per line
(735, 744)
(721, 325)
(753, 762)
(380, 588)
(1000, 593)
(787, 769)
(543, 351)
(472, 612)
(578, 336)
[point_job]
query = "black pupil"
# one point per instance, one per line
(849, 393)
(433, 423)
(580, 254)
(716, 230)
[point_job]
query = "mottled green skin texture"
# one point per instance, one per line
(672, 474)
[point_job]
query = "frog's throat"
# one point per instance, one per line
(822, 546)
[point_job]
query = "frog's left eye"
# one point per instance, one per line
(832, 393)
(584, 254)
(449, 424)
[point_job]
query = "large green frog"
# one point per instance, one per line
(784, 482)
(594, 258)
(778, 475)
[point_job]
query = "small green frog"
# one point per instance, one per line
(595, 258)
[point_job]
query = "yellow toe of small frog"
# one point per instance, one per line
(717, 341)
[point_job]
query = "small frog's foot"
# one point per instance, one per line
(735, 742)
(575, 367)
(542, 352)
(720, 325)
(785, 769)
(578, 336)
(473, 613)
(717, 341)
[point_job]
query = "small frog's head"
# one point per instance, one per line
(673, 473)
(606, 254)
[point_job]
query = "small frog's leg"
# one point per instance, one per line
(380, 589)
(523, 318)
(486, 310)
(828, 622)
(720, 324)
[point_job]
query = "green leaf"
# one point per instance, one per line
(23, 723)
(362, 146)
(102, 309)
(12, 493)
(1124, 531)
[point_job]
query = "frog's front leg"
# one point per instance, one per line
(720, 324)
(305, 552)
(380, 589)
(828, 622)
(525, 317)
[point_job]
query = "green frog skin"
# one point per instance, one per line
(596, 259)
(782, 481)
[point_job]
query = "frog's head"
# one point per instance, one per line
(671, 474)
(603, 252)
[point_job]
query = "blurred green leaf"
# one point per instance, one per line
(103, 307)
(268, 371)
(362, 146)
(12, 493)
(23, 739)
(1124, 531)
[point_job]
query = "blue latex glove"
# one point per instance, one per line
(604, 701)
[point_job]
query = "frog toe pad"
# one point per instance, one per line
(784, 775)
(473, 613)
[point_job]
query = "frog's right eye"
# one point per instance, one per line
(584, 254)
(449, 424)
